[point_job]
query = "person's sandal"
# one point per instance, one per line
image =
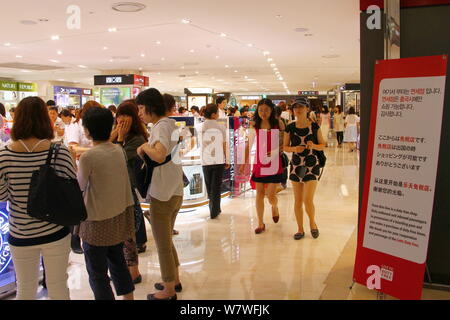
(299, 236)
(153, 297)
(260, 230)
(160, 287)
(315, 233)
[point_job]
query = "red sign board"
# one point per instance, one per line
(401, 170)
(141, 81)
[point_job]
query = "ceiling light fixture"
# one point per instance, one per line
(163, 59)
(186, 21)
(227, 66)
(192, 51)
(266, 53)
(105, 48)
(27, 71)
(217, 57)
(112, 29)
(158, 43)
(273, 65)
(111, 60)
(7, 44)
(250, 45)
(19, 56)
(223, 35)
(275, 69)
(142, 55)
(128, 6)
(55, 37)
(59, 52)
(235, 71)
(53, 60)
(81, 66)
(269, 60)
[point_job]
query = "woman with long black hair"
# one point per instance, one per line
(268, 169)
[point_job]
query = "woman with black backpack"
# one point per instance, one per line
(304, 138)
(30, 238)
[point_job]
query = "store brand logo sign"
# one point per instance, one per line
(5, 254)
(374, 20)
(112, 80)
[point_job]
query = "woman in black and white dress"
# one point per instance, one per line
(305, 168)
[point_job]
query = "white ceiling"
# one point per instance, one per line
(334, 25)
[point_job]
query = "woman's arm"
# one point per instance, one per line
(84, 172)
(157, 152)
(321, 145)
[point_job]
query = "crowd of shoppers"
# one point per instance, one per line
(102, 148)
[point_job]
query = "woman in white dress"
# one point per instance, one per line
(351, 129)
(325, 123)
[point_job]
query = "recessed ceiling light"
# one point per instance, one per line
(196, 72)
(273, 65)
(217, 57)
(275, 69)
(55, 37)
(128, 6)
(140, 69)
(227, 66)
(235, 71)
(192, 51)
(60, 80)
(266, 53)
(159, 73)
(269, 60)
(280, 78)
(59, 52)
(301, 29)
(246, 77)
(143, 55)
(7, 44)
(112, 29)
(163, 59)
(331, 56)
(53, 60)
(105, 48)
(28, 22)
(158, 42)
(111, 60)
(223, 35)
(250, 45)
(19, 56)
(81, 66)
(186, 21)
(26, 71)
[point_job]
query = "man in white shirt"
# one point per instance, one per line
(222, 104)
(214, 157)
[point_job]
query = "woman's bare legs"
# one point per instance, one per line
(298, 205)
(260, 195)
(308, 192)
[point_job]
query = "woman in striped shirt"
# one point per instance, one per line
(30, 238)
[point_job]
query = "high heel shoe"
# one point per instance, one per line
(260, 230)
(277, 217)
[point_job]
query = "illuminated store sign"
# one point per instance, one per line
(121, 79)
(308, 93)
(5, 254)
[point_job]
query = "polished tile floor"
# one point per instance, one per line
(224, 259)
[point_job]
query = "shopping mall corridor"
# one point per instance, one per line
(224, 259)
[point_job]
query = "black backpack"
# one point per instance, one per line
(53, 198)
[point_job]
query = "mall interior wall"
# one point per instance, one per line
(425, 31)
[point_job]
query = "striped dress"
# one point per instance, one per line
(16, 169)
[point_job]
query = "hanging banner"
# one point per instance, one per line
(402, 160)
